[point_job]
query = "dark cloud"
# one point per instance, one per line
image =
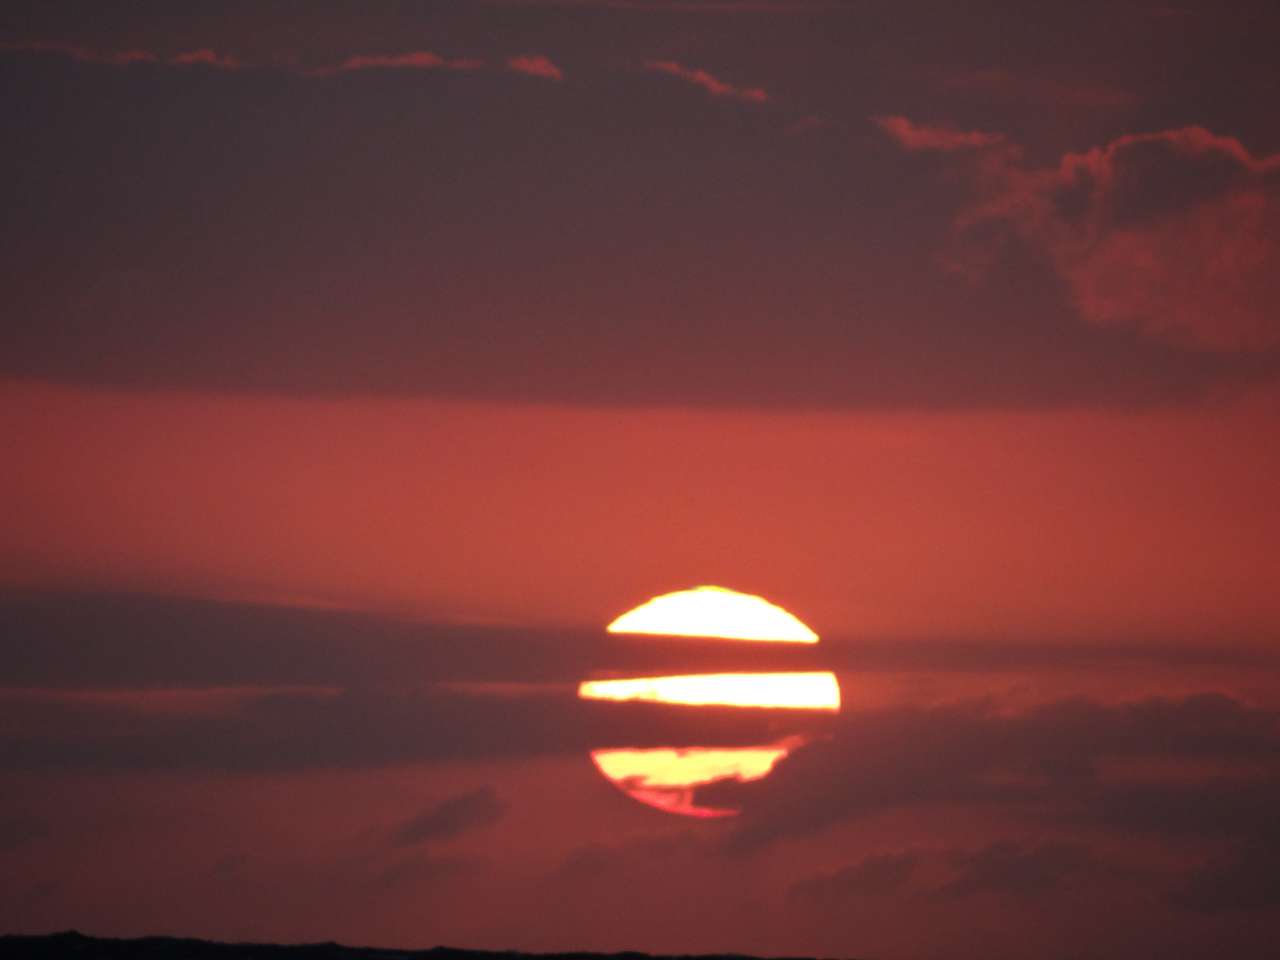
(513, 242)
(877, 875)
(413, 872)
(1051, 764)
(595, 862)
(1245, 879)
(1012, 869)
(75, 640)
(69, 640)
(1003, 868)
(587, 863)
(19, 829)
(278, 731)
(1098, 786)
(453, 816)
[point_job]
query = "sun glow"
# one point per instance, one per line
(714, 612)
(792, 691)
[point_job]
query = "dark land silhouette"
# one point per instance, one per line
(81, 947)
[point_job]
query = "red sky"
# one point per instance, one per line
(1016, 525)
(360, 365)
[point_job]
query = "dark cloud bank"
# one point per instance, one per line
(501, 239)
(1069, 788)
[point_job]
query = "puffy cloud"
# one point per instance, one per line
(1175, 234)
(535, 65)
(707, 81)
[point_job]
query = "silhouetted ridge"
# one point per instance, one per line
(76, 945)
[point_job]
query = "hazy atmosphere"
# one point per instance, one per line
(362, 362)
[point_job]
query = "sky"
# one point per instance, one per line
(361, 361)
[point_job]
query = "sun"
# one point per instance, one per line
(671, 777)
(714, 612)
(770, 691)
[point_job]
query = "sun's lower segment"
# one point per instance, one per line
(669, 778)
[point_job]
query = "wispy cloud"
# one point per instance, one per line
(690, 6)
(809, 124)
(124, 58)
(1008, 87)
(456, 815)
(919, 137)
(113, 58)
(528, 64)
(206, 57)
(707, 81)
(413, 60)
(535, 65)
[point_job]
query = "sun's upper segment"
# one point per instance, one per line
(714, 612)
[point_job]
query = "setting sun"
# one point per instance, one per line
(672, 778)
(708, 611)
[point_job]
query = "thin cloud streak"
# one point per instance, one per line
(689, 6)
(707, 81)
(535, 65)
(451, 817)
(124, 58)
(415, 60)
(919, 137)
(208, 57)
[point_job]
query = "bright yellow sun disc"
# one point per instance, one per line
(714, 612)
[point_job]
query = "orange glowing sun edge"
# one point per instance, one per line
(668, 777)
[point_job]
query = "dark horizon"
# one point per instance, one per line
(89, 947)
